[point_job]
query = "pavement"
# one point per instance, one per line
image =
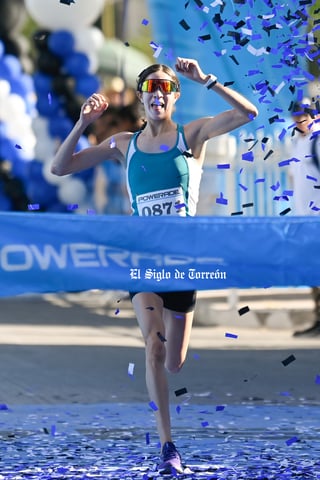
(73, 399)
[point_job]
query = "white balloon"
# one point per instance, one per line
(89, 39)
(55, 15)
(45, 148)
(72, 192)
(5, 89)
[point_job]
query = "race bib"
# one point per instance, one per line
(162, 202)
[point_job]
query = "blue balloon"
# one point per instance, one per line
(35, 168)
(77, 64)
(42, 192)
(60, 126)
(86, 85)
(48, 105)
(42, 82)
(4, 72)
(8, 151)
(5, 203)
(61, 42)
(19, 169)
(13, 65)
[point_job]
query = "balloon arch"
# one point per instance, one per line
(40, 103)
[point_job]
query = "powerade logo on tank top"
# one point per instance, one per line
(162, 202)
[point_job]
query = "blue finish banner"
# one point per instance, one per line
(60, 252)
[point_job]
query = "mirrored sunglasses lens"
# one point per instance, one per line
(152, 85)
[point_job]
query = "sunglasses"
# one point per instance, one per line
(166, 86)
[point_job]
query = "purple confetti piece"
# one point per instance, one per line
(317, 379)
(34, 206)
(221, 200)
(117, 311)
(3, 406)
(178, 409)
(260, 180)
(18, 146)
(292, 440)
(223, 165)
(248, 156)
(282, 134)
(204, 424)
(147, 439)
(243, 187)
(230, 335)
(153, 406)
(163, 147)
(276, 186)
(219, 408)
(72, 206)
(308, 177)
(145, 22)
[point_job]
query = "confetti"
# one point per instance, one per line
(130, 369)
(18, 146)
(181, 391)
(317, 379)
(288, 360)
(117, 311)
(285, 211)
(184, 25)
(219, 408)
(292, 440)
(145, 22)
(153, 406)
(161, 337)
(246, 205)
(67, 2)
(164, 148)
(178, 409)
(221, 200)
(73, 206)
(248, 156)
(231, 335)
(34, 206)
(243, 310)
(223, 165)
(236, 213)
(147, 438)
(204, 424)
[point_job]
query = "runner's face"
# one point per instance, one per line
(159, 95)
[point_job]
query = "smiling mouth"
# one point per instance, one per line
(157, 104)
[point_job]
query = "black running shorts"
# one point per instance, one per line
(182, 301)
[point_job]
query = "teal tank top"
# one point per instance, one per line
(164, 183)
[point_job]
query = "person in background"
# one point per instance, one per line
(163, 162)
(306, 148)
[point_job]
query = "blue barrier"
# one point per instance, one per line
(61, 252)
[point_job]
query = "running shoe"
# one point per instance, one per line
(170, 459)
